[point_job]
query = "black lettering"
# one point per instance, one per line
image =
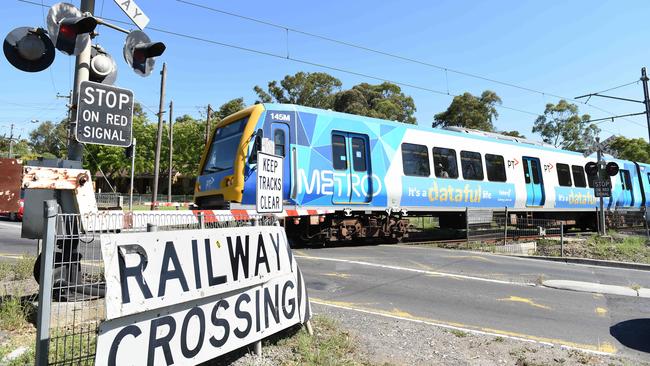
(161, 342)
(261, 256)
(268, 303)
(291, 302)
(166, 274)
(136, 272)
(130, 329)
(220, 323)
(126, 4)
(195, 257)
(241, 314)
(208, 257)
(257, 310)
(237, 255)
(136, 13)
(187, 352)
(276, 246)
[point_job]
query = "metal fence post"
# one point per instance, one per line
(505, 229)
(467, 225)
(50, 210)
(561, 239)
(645, 223)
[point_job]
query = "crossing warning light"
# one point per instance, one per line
(29, 49)
(611, 168)
(591, 168)
(140, 52)
(69, 29)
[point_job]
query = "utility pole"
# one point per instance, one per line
(133, 147)
(602, 176)
(207, 125)
(156, 166)
(646, 99)
(69, 105)
(82, 73)
(11, 142)
(171, 149)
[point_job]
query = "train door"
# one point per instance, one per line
(352, 173)
(534, 184)
(626, 198)
(280, 136)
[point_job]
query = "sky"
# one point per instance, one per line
(547, 49)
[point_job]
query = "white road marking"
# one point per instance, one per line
(468, 330)
(422, 271)
(16, 225)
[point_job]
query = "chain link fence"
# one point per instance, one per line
(72, 283)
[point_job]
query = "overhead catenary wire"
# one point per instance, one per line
(396, 56)
(342, 70)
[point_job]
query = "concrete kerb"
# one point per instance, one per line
(581, 286)
(592, 262)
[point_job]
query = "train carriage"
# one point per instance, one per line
(361, 177)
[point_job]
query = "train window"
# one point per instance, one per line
(626, 182)
(339, 152)
(578, 176)
(278, 140)
(496, 169)
(358, 154)
(534, 166)
(415, 160)
(472, 165)
(563, 175)
(526, 174)
(444, 162)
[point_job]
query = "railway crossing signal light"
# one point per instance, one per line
(29, 49)
(102, 66)
(140, 52)
(69, 29)
(591, 168)
(611, 168)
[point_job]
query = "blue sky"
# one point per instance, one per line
(556, 47)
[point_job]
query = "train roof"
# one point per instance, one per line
(454, 131)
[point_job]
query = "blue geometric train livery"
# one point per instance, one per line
(370, 175)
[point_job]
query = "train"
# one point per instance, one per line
(351, 177)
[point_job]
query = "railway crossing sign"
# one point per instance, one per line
(603, 187)
(269, 183)
(104, 115)
(133, 11)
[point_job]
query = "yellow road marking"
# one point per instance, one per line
(597, 296)
(341, 275)
(601, 311)
(601, 348)
(475, 257)
(525, 301)
(422, 265)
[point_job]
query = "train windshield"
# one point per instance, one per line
(224, 147)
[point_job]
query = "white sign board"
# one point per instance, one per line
(194, 295)
(269, 183)
(146, 271)
(133, 11)
(104, 115)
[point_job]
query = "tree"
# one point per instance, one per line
(230, 107)
(470, 111)
(631, 149)
(49, 139)
(384, 100)
(513, 133)
(562, 127)
(309, 89)
(189, 142)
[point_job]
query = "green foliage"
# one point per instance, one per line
(470, 111)
(513, 133)
(304, 88)
(321, 90)
(631, 149)
(562, 127)
(49, 139)
(385, 101)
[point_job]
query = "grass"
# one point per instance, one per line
(328, 346)
(18, 270)
(617, 247)
(458, 333)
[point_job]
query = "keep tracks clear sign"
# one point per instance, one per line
(269, 183)
(104, 115)
(185, 297)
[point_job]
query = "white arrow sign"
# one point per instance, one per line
(133, 11)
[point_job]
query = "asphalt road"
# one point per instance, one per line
(11, 244)
(484, 293)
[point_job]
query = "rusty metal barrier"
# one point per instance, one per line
(72, 283)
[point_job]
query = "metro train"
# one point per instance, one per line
(351, 177)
